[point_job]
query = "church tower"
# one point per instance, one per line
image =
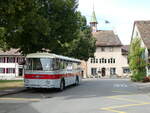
(93, 22)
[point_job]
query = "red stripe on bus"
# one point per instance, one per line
(47, 76)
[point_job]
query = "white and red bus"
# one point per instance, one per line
(47, 70)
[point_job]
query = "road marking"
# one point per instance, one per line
(122, 92)
(119, 97)
(122, 106)
(112, 110)
(21, 99)
(125, 99)
(126, 105)
(123, 85)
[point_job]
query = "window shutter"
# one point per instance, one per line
(13, 70)
(6, 70)
(4, 59)
(14, 59)
(17, 59)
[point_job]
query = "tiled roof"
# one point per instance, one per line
(10, 52)
(106, 38)
(144, 29)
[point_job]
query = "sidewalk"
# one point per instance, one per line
(11, 91)
(141, 85)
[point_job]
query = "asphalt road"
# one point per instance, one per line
(91, 96)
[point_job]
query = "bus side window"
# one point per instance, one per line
(69, 66)
(74, 65)
(65, 64)
(56, 64)
(61, 64)
(78, 65)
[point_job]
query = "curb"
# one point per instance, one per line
(5, 93)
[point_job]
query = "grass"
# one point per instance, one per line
(5, 84)
(4, 81)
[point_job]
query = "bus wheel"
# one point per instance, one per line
(62, 85)
(77, 81)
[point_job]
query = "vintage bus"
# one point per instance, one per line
(47, 70)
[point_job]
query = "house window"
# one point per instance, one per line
(100, 61)
(2, 59)
(2, 70)
(10, 70)
(102, 49)
(10, 59)
(114, 60)
(111, 60)
(96, 60)
(108, 60)
(92, 60)
(20, 59)
(126, 70)
(112, 71)
(105, 60)
(93, 71)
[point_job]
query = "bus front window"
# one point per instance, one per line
(40, 64)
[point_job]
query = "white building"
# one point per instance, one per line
(110, 58)
(141, 29)
(10, 64)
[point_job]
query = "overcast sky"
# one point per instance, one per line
(120, 13)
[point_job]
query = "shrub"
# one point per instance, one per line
(138, 76)
(137, 61)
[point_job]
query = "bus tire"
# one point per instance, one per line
(62, 85)
(77, 81)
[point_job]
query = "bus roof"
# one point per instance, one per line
(51, 55)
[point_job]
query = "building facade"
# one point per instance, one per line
(110, 58)
(10, 64)
(141, 29)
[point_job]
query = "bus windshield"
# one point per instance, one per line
(40, 64)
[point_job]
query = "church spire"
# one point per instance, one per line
(93, 22)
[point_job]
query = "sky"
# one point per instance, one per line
(120, 13)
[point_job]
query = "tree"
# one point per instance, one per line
(3, 45)
(39, 25)
(137, 62)
(84, 46)
(33, 25)
(23, 25)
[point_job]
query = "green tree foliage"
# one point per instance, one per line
(137, 62)
(84, 46)
(3, 44)
(39, 25)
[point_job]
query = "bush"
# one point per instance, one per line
(146, 79)
(138, 76)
